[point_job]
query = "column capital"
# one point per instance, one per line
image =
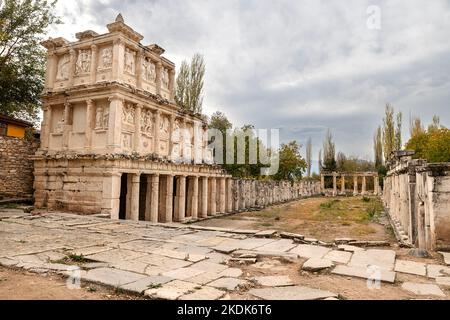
(116, 97)
(90, 102)
(94, 47)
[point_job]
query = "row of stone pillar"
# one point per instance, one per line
(195, 197)
(377, 188)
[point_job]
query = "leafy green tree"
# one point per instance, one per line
(378, 148)
(433, 145)
(392, 132)
(309, 157)
(23, 24)
(292, 165)
(190, 82)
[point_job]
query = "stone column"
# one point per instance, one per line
(194, 199)
(90, 107)
(355, 186)
(156, 133)
(135, 184)
(204, 203)
(118, 60)
(154, 212)
(229, 195)
(222, 195)
(139, 60)
(52, 66)
(342, 184)
(322, 183)
(364, 187)
(115, 123)
(66, 131)
(180, 212)
(376, 181)
(72, 62)
(137, 129)
(334, 184)
(171, 85)
(45, 138)
(171, 129)
(111, 195)
(212, 197)
(158, 77)
(94, 61)
(169, 199)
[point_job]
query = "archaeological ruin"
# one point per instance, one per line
(114, 141)
(354, 178)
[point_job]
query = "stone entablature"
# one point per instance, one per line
(357, 177)
(417, 198)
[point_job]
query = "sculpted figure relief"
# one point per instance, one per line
(164, 126)
(101, 118)
(165, 78)
(128, 113)
(106, 58)
(176, 131)
(83, 62)
(149, 71)
(63, 68)
(130, 65)
(147, 122)
(60, 126)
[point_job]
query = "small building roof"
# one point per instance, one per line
(10, 120)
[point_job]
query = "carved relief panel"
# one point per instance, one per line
(128, 114)
(164, 127)
(106, 58)
(149, 70)
(165, 78)
(63, 68)
(83, 64)
(147, 122)
(130, 61)
(101, 117)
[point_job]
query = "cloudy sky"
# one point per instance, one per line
(301, 66)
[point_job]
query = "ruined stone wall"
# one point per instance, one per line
(417, 197)
(16, 167)
(256, 194)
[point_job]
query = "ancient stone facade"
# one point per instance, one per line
(417, 197)
(16, 167)
(356, 179)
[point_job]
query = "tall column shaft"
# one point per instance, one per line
(94, 61)
(181, 199)
(88, 131)
(158, 77)
(229, 195)
(364, 187)
(212, 197)
(154, 212)
(45, 138)
(66, 131)
(355, 185)
(169, 199)
(322, 183)
(137, 129)
(115, 123)
(156, 133)
(204, 203)
(223, 195)
(343, 184)
(72, 62)
(334, 185)
(194, 205)
(135, 184)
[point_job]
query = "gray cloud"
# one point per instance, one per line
(302, 66)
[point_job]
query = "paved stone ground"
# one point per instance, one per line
(190, 262)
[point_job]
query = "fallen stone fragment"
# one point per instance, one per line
(423, 289)
(317, 264)
(7, 262)
(339, 241)
(145, 284)
(266, 234)
(365, 273)
(310, 251)
(291, 293)
(378, 244)
(243, 261)
(288, 235)
(274, 281)
(310, 240)
(338, 256)
(411, 267)
(436, 270)
(349, 248)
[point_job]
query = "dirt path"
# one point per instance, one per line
(20, 285)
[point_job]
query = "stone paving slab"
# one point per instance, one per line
(364, 273)
(310, 251)
(292, 293)
(172, 290)
(144, 284)
(229, 284)
(411, 267)
(205, 293)
(338, 256)
(423, 289)
(383, 259)
(115, 255)
(283, 245)
(163, 262)
(436, 270)
(349, 248)
(274, 281)
(317, 264)
(443, 281)
(446, 256)
(183, 273)
(112, 277)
